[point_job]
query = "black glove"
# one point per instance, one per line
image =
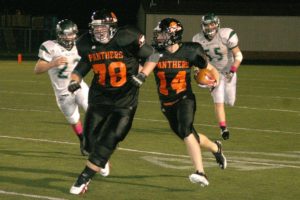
(139, 79)
(73, 86)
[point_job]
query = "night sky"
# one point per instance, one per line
(77, 10)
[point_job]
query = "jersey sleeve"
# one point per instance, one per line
(196, 38)
(229, 37)
(135, 43)
(46, 51)
(154, 57)
(83, 66)
(199, 58)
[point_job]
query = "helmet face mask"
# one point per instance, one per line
(103, 26)
(66, 33)
(101, 33)
(168, 32)
(162, 39)
(210, 25)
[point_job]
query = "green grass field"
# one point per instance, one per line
(40, 157)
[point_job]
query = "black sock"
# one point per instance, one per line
(80, 137)
(222, 128)
(85, 175)
(88, 172)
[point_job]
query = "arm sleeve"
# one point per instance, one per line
(44, 52)
(200, 59)
(154, 57)
(82, 68)
(145, 51)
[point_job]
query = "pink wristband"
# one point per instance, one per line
(233, 68)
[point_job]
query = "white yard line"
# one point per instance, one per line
(231, 127)
(164, 121)
(196, 92)
(244, 159)
(242, 162)
(29, 195)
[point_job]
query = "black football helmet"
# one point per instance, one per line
(210, 25)
(103, 25)
(66, 33)
(168, 32)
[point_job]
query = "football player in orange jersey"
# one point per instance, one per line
(178, 103)
(113, 54)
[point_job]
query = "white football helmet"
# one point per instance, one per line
(210, 25)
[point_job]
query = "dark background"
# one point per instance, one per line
(77, 10)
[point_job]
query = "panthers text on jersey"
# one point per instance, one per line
(218, 50)
(113, 65)
(173, 71)
(59, 76)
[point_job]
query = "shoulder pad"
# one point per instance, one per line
(48, 45)
(83, 39)
(229, 37)
(128, 35)
(192, 45)
(83, 43)
(198, 37)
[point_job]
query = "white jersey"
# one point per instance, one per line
(219, 48)
(60, 76)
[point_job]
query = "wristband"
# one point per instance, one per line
(233, 68)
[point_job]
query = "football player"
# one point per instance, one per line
(113, 54)
(59, 57)
(221, 47)
(178, 103)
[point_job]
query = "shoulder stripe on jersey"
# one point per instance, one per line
(233, 47)
(231, 34)
(44, 49)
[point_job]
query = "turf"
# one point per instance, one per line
(40, 157)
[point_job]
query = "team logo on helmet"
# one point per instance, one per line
(103, 26)
(168, 32)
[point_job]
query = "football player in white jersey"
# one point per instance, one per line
(59, 57)
(221, 46)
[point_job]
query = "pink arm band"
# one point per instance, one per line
(233, 68)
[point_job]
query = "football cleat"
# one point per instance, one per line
(105, 172)
(225, 134)
(80, 186)
(220, 158)
(200, 178)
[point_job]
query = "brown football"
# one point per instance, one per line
(204, 77)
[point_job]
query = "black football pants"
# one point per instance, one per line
(104, 127)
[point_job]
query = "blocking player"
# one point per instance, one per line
(221, 47)
(113, 54)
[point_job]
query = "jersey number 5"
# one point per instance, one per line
(178, 83)
(116, 71)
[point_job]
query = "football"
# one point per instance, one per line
(204, 77)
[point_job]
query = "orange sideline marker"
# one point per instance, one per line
(19, 58)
